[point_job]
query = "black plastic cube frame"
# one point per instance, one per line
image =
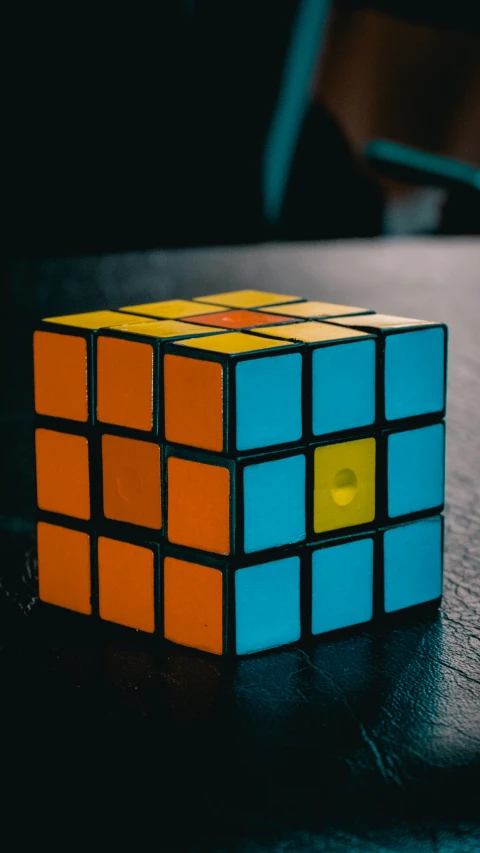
(229, 362)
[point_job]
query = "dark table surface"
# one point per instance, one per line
(368, 743)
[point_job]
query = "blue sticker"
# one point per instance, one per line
(267, 605)
(269, 401)
(274, 503)
(342, 585)
(416, 470)
(414, 373)
(343, 380)
(413, 563)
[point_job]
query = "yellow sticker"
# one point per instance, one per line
(344, 484)
(170, 309)
(232, 342)
(247, 299)
(316, 309)
(167, 329)
(381, 321)
(95, 319)
(309, 333)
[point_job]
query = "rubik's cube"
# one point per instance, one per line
(242, 470)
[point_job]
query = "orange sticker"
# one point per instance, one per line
(193, 605)
(126, 584)
(238, 319)
(125, 383)
(63, 481)
(60, 365)
(193, 402)
(199, 505)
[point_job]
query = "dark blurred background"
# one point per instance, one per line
(197, 123)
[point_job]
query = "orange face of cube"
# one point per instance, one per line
(63, 481)
(193, 400)
(125, 383)
(238, 319)
(60, 364)
(64, 567)
(199, 505)
(193, 605)
(131, 481)
(126, 584)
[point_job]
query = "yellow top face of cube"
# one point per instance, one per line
(382, 321)
(166, 329)
(247, 299)
(95, 319)
(309, 333)
(316, 309)
(170, 309)
(232, 342)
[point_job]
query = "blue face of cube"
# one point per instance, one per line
(413, 563)
(274, 503)
(269, 401)
(342, 585)
(415, 470)
(343, 386)
(267, 605)
(414, 373)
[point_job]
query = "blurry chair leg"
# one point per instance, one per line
(330, 194)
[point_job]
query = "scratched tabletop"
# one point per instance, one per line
(367, 743)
